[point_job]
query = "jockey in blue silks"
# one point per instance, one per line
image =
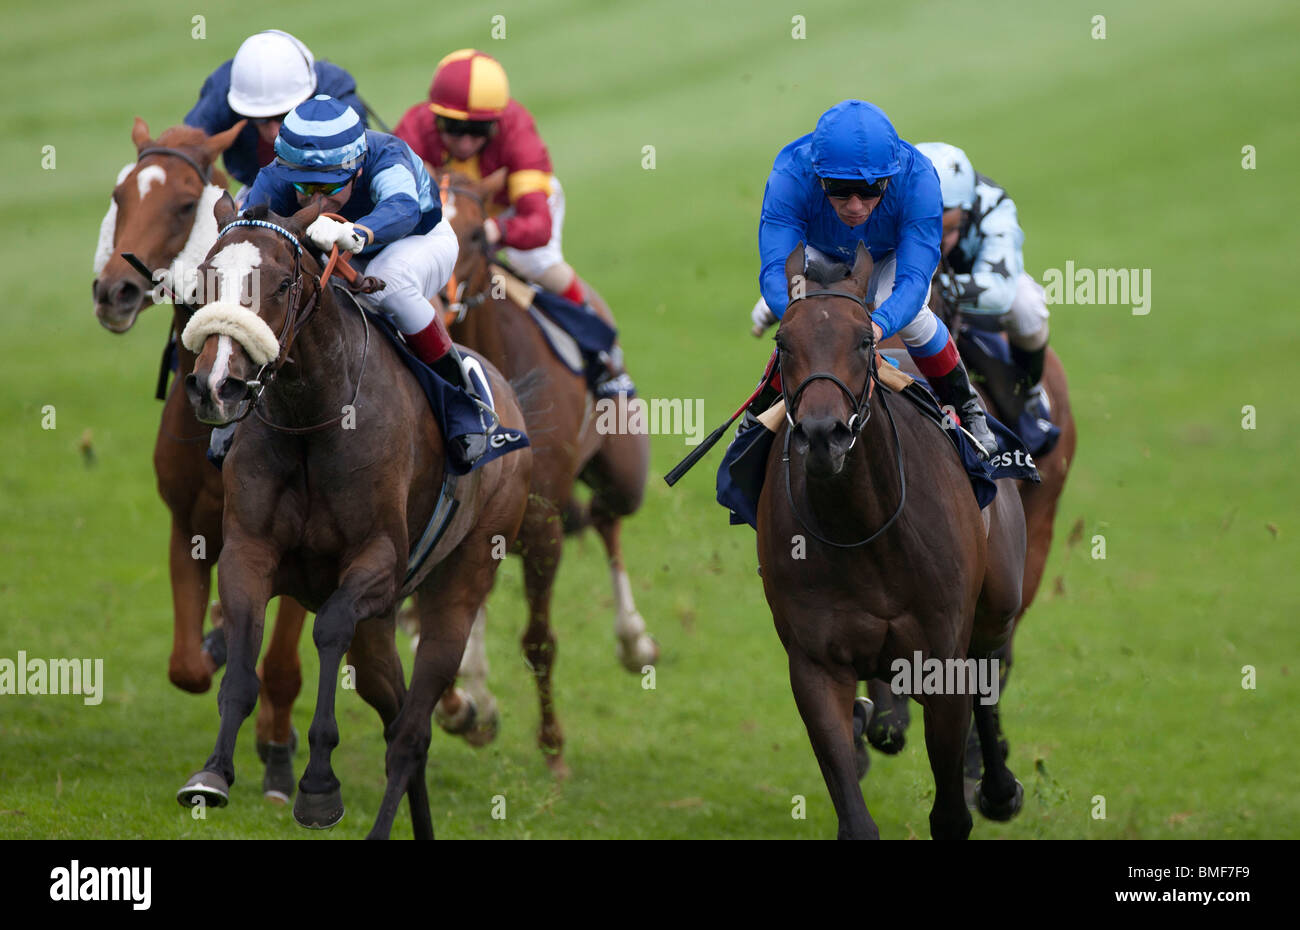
(271, 73)
(392, 217)
(853, 180)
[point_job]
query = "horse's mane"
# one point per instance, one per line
(826, 272)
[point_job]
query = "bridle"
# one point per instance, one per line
(457, 304)
(205, 174)
(861, 414)
(295, 320)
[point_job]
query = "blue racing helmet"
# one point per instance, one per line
(854, 139)
(321, 140)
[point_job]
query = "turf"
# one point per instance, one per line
(1124, 152)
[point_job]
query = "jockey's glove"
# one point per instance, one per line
(762, 317)
(325, 233)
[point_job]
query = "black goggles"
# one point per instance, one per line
(847, 187)
(465, 127)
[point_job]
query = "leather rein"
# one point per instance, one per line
(861, 405)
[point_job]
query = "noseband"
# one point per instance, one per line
(861, 405)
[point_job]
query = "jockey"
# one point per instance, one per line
(982, 244)
(471, 125)
(853, 180)
(393, 219)
(270, 75)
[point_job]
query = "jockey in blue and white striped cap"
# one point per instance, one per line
(392, 216)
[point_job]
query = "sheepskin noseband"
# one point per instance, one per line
(239, 323)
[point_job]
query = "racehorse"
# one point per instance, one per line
(326, 513)
(860, 574)
(566, 447)
(162, 212)
(888, 726)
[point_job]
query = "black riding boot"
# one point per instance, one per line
(470, 447)
(954, 389)
(1029, 380)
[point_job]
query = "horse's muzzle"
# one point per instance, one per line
(824, 442)
(117, 303)
(215, 404)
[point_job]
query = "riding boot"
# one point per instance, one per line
(433, 346)
(954, 390)
(1029, 380)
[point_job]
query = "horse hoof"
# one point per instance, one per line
(483, 728)
(211, 787)
(555, 762)
(862, 709)
(264, 748)
(318, 811)
(636, 657)
(889, 738)
(1001, 811)
(277, 781)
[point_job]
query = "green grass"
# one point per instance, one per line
(1120, 153)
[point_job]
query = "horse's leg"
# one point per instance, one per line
(947, 717)
(245, 586)
(617, 476)
(825, 703)
(471, 711)
(382, 684)
(542, 543)
(998, 795)
(365, 590)
(448, 602)
(887, 728)
(189, 668)
(281, 675)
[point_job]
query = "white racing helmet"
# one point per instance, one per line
(272, 73)
(956, 176)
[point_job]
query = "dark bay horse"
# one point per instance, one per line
(889, 724)
(567, 447)
(162, 211)
(873, 549)
(326, 513)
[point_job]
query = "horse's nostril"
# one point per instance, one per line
(126, 295)
(231, 390)
(195, 389)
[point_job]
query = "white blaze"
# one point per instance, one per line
(148, 177)
(233, 265)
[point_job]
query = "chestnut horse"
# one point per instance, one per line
(162, 212)
(889, 723)
(860, 573)
(326, 511)
(566, 447)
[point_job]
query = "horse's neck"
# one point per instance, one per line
(320, 376)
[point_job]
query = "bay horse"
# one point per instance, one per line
(858, 572)
(162, 212)
(887, 728)
(327, 513)
(567, 447)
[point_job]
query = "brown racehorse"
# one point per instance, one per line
(566, 447)
(327, 512)
(872, 549)
(888, 725)
(163, 213)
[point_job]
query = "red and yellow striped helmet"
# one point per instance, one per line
(469, 85)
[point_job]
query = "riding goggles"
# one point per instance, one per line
(328, 188)
(847, 187)
(465, 127)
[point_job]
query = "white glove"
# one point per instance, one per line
(762, 316)
(325, 233)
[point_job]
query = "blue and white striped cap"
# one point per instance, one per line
(321, 140)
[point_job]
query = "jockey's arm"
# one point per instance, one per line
(397, 204)
(782, 225)
(530, 227)
(990, 288)
(917, 256)
(211, 112)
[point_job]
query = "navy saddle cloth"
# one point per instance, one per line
(592, 335)
(1038, 435)
(744, 466)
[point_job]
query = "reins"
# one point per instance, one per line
(858, 420)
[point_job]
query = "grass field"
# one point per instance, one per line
(1120, 153)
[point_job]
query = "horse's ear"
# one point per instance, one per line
(224, 211)
(140, 134)
(860, 276)
(217, 144)
(794, 269)
(308, 214)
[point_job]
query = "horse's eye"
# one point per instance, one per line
(866, 343)
(187, 209)
(284, 286)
